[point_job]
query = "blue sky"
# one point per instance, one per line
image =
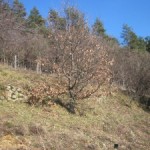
(113, 13)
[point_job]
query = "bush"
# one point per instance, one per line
(43, 94)
(131, 72)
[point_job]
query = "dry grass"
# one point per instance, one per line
(21, 77)
(102, 122)
(105, 123)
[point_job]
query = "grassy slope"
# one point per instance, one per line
(107, 120)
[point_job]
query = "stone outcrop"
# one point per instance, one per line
(12, 93)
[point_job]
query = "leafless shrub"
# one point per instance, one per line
(131, 71)
(80, 61)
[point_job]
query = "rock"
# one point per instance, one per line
(26, 98)
(19, 90)
(13, 93)
(20, 95)
(9, 87)
(9, 94)
(2, 98)
(14, 96)
(13, 89)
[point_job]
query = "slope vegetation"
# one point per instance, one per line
(103, 121)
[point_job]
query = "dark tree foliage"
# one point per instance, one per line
(129, 37)
(53, 17)
(35, 20)
(147, 41)
(55, 21)
(98, 28)
(74, 17)
(18, 9)
(131, 40)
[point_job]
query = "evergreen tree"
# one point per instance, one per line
(74, 17)
(18, 9)
(129, 37)
(131, 40)
(112, 39)
(4, 6)
(141, 44)
(98, 28)
(147, 41)
(35, 20)
(56, 21)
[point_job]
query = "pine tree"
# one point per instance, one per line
(56, 21)
(53, 17)
(98, 28)
(18, 9)
(35, 20)
(74, 17)
(4, 6)
(147, 41)
(129, 37)
(141, 44)
(131, 40)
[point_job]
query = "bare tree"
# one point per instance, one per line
(131, 71)
(80, 61)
